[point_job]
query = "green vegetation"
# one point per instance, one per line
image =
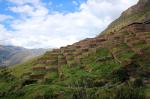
(116, 71)
(20, 69)
(98, 76)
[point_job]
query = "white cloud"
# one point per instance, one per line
(4, 17)
(107, 8)
(5, 35)
(32, 8)
(26, 9)
(44, 29)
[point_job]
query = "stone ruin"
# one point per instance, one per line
(75, 52)
(37, 76)
(137, 27)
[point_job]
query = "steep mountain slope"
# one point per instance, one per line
(11, 55)
(137, 13)
(114, 65)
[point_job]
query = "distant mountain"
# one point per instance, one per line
(12, 55)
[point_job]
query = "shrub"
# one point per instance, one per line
(129, 92)
(121, 75)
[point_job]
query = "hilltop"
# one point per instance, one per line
(137, 13)
(113, 65)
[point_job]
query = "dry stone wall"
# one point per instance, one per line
(131, 35)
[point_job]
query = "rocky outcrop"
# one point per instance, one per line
(140, 6)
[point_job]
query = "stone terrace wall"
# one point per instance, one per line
(147, 27)
(137, 27)
(74, 53)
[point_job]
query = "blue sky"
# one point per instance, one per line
(62, 6)
(55, 23)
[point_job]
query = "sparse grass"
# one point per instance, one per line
(126, 55)
(19, 70)
(147, 91)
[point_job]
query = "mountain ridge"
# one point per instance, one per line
(12, 55)
(137, 13)
(140, 6)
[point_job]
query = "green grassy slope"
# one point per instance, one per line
(98, 76)
(116, 68)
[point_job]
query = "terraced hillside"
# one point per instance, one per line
(109, 66)
(137, 13)
(114, 65)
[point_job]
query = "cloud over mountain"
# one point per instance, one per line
(37, 26)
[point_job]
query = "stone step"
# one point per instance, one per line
(135, 28)
(130, 39)
(51, 62)
(77, 46)
(82, 50)
(116, 43)
(71, 63)
(129, 36)
(61, 57)
(51, 69)
(85, 54)
(147, 41)
(78, 59)
(44, 68)
(144, 37)
(147, 37)
(77, 53)
(67, 50)
(135, 42)
(101, 46)
(92, 45)
(39, 68)
(146, 82)
(137, 51)
(62, 62)
(69, 58)
(142, 34)
(37, 76)
(99, 40)
(68, 54)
